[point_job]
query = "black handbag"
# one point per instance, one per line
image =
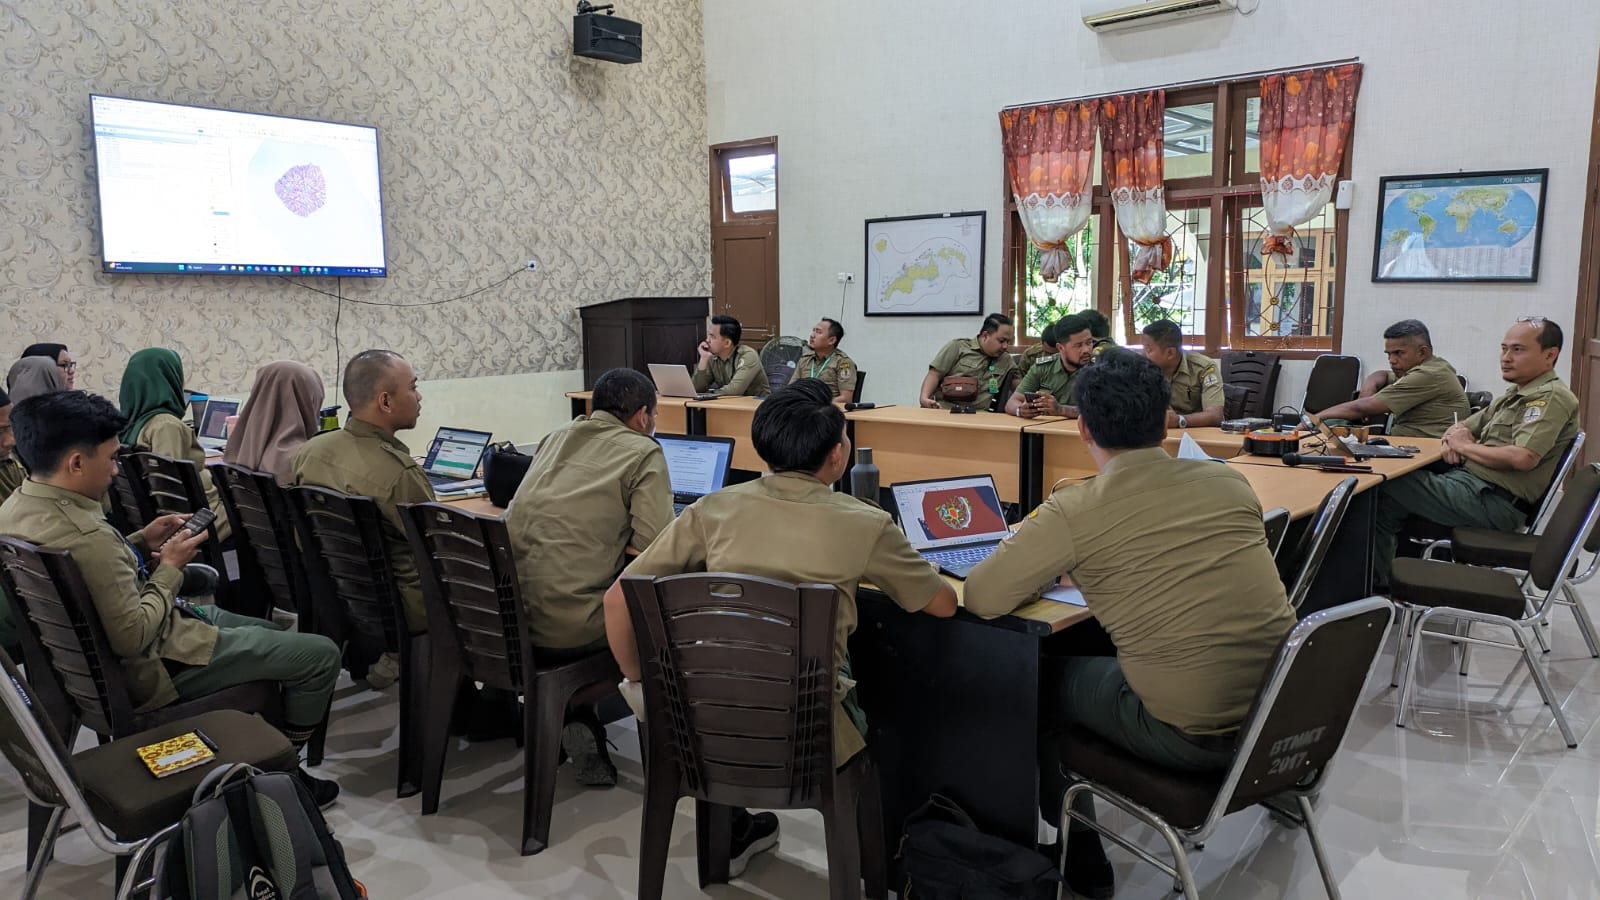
(503, 468)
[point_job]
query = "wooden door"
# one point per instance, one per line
(744, 235)
(1586, 330)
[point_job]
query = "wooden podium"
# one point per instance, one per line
(637, 331)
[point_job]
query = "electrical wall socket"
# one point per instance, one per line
(845, 278)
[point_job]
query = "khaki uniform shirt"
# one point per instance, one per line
(595, 488)
(1051, 375)
(1172, 560)
(1541, 416)
(11, 476)
(1030, 358)
(1426, 400)
(1197, 385)
(141, 623)
(740, 375)
(828, 538)
(360, 459)
(837, 370)
(166, 435)
(963, 356)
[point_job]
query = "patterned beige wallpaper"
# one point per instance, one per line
(496, 144)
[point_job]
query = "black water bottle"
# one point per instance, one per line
(864, 476)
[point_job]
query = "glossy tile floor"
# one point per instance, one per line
(1477, 799)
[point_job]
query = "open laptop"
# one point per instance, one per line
(697, 466)
(452, 461)
(1349, 446)
(213, 421)
(673, 381)
(954, 523)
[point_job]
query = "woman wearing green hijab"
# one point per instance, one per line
(152, 399)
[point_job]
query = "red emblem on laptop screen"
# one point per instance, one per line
(958, 513)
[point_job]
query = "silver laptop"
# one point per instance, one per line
(697, 466)
(954, 523)
(674, 381)
(1349, 446)
(453, 459)
(213, 422)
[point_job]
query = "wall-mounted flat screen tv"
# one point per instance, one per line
(188, 189)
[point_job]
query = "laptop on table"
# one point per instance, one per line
(674, 381)
(697, 466)
(1349, 446)
(453, 458)
(954, 523)
(212, 430)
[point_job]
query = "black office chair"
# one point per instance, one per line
(1255, 374)
(1334, 380)
(1276, 524)
(861, 384)
(1306, 561)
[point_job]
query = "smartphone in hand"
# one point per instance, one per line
(198, 522)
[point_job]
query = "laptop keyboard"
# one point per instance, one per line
(959, 557)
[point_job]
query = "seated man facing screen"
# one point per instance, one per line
(728, 367)
(1043, 350)
(597, 490)
(1172, 560)
(1420, 390)
(169, 649)
(824, 361)
(828, 538)
(1505, 455)
(983, 358)
(365, 459)
(1196, 381)
(1051, 380)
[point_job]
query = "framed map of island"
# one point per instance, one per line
(1482, 226)
(925, 265)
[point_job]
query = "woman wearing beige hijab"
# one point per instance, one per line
(281, 413)
(31, 376)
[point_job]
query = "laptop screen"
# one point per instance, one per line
(455, 452)
(215, 422)
(698, 466)
(950, 511)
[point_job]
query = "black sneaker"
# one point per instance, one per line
(1087, 871)
(585, 744)
(751, 835)
(323, 790)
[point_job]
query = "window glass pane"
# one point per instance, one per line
(753, 183)
(1252, 135)
(1294, 300)
(1189, 134)
(1177, 292)
(1043, 302)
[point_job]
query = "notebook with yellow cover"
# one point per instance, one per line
(176, 754)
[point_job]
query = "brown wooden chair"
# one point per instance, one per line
(354, 596)
(173, 486)
(475, 617)
(130, 505)
(739, 686)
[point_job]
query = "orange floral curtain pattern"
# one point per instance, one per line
(1049, 154)
(1305, 124)
(1131, 128)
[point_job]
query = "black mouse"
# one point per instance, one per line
(1379, 442)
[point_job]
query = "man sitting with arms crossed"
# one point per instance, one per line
(1419, 389)
(1044, 349)
(1173, 562)
(824, 361)
(728, 367)
(1505, 454)
(597, 490)
(1197, 398)
(365, 459)
(1051, 380)
(985, 358)
(168, 648)
(828, 538)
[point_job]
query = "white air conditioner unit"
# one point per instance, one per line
(1117, 15)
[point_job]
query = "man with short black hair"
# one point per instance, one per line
(1196, 380)
(1051, 380)
(1419, 390)
(168, 648)
(728, 367)
(1100, 329)
(824, 361)
(985, 358)
(366, 459)
(596, 491)
(1046, 347)
(1173, 563)
(828, 538)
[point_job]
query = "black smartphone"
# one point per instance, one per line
(198, 522)
(1030, 396)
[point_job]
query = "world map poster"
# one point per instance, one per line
(1474, 227)
(925, 265)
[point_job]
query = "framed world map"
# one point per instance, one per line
(925, 265)
(1483, 226)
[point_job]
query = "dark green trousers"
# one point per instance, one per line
(307, 665)
(1456, 498)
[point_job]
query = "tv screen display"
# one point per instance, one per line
(187, 189)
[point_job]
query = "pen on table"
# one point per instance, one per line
(206, 739)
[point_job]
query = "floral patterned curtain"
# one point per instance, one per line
(1049, 151)
(1305, 123)
(1131, 148)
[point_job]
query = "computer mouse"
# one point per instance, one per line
(1379, 442)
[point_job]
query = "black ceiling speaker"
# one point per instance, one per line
(609, 37)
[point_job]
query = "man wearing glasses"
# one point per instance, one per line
(1502, 457)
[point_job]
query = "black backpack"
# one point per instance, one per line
(944, 856)
(278, 846)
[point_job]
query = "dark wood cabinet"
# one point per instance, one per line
(637, 331)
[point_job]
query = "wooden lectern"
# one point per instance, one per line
(637, 331)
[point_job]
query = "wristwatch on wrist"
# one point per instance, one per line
(1182, 421)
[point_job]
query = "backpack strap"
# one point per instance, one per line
(307, 863)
